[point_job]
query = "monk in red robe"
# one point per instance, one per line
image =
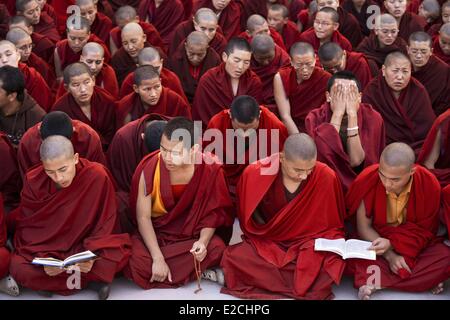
(100, 24)
(149, 96)
(441, 44)
(257, 24)
(349, 134)
(299, 88)
(259, 7)
(333, 59)
(85, 140)
(218, 87)
(267, 59)
(278, 19)
(10, 184)
(431, 71)
(64, 213)
(408, 22)
(281, 214)
(430, 10)
(359, 9)
(402, 101)
(87, 103)
(192, 60)
(435, 153)
(178, 197)
(397, 208)
(4, 20)
(444, 17)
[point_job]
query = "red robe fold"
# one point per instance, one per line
(5, 256)
(258, 7)
(414, 239)
(169, 104)
(116, 4)
(408, 118)
(357, 63)
(362, 16)
(409, 24)
(290, 35)
(43, 47)
(43, 68)
(205, 203)
(446, 201)
(122, 64)
(37, 87)
(102, 27)
(58, 223)
(103, 113)
(442, 166)
(273, 33)
(4, 21)
(214, 92)
(310, 37)
(10, 184)
(295, 7)
(85, 140)
(306, 96)
(277, 259)
(47, 27)
(187, 5)
(437, 51)
(331, 150)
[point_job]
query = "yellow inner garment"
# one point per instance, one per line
(158, 208)
(396, 205)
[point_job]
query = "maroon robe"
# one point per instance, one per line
(47, 27)
(257, 7)
(410, 23)
(361, 16)
(290, 35)
(273, 33)
(357, 63)
(437, 51)
(446, 205)
(10, 183)
(37, 87)
(43, 68)
(101, 27)
(295, 7)
(310, 37)
(43, 47)
(4, 21)
(5, 256)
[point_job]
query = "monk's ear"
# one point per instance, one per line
(413, 170)
(383, 70)
(136, 19)
(144, 36)
(135, 88)
(224, 57)
(142, 136)
(76, 158)
(12, 96)
(327, 95)
(336, 26)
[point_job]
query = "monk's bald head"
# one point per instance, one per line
(56, 147)
(430, 9)
(124, 15)
(143, 73)
(78, 24)
(148, 55)
(384, 19)
(394, 57)
(133, 28)
(256, 22)
(75, 70)
(197, 38)
(93, 48)
(205, 15)
(396, 166)
(93, 55)
(300, 146)
(206, 21)
(445, 29)
(23, 42)
(301, 49)
(16, 35)
(133, 39)
(396, 71)
(263, 48)
(21, 22)
(196, 47)
(398, 154)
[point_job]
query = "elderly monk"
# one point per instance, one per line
(100, 24)
(300, 87)
(397, 208)
(402, 101)
(191, 60)
(88, 103)
(381, 42)
(267, 59)
(68, 206)
(206, 21)
(149, 96)
(431, 71)
(408, 22)
(441, 44)
(278, 19)
(85, 140)
(180, 197)
(349, 134)
(218, 87)
(281, 214)
(256, 25)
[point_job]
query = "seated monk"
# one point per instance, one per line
(441, 44)
(430, 10)
(281, 214)
(88, 103)
(445, 18)
(431, 71)
(408, 22)
(206, 21)
(278, 19)
(179, 201)
(85, 140)
(68, 206)
(93, 55)
(359, 9)
(191, 60)
(381, 42)
(256, 25)
(325, 29)
(125, 15)
(435, 153)
(10, 182)
(150, 56)
(100, 24)
(267, 59)
(233, 77)
(34, 82)
(334, 59)
(150, 96)
(397, 208)
(349, 134)
(402, 101)
(299, 88)
(18, 110)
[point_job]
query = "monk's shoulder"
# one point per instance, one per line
(219, 120)
(85, 131)
(31, 135)
(105, 96)
(426, 179)
(96, 171)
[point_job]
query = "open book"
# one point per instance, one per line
(74, 259)
(347, 249)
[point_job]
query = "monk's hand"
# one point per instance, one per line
(338, 99)
(353, 100)
(380, 245)
(199, 250)
(160, 270)
(53, 271)
(397, 262)
(85, 267)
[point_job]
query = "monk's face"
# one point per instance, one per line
(387, 33)
(419, 53)
(304, 65)
(237, 63)
(296, 170)
(89, 11)
(395, 7)
(335, 65)
(133, 43)
(262, 29)
(196, 53)
(397, 74)
(23, 26)
(341, 84)
(327, 3)
(25, 46)
(32, 12)
(444, 43)
(174, 154)
(5, 98)
(77, 39)
(94, 61)
(446, 14)
(41, 3)
(149, 91)
(61, 170)
(245, 128)
(264, 59)
(207, 27)
(324, 26)
(276, 20)
(9, 56)
(81, 88)
(394, 179)
(219, 5)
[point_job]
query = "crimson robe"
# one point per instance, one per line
(116, 4)
(214, 92)
(410, 23)
(290, 35)
(205, 203)
(47, 27)
(85, 140)
(310, 37)
(330, 147)
(361, 16)
(169, 104)
(43, 47)
(37, 87)
(58, 223)
(5, 256)
(437, 51)
(273, 33)
(307, 95)
(257, 7)
(446, 201)
(357, 63)
(408, 118)
(103, 113)
(4, 21)
(60, 7)
(187, 4)
(101, 27)
(433, 30)
(442, 166)
(295, 7)
(414, 239)
(43, 68)
(10, 183)
(277, 259)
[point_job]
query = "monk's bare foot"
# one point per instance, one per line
(9, 286)
(438, 289)
(365, 292)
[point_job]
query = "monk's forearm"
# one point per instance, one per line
(368, 233)
(434, 154)
(148, 234)
(336, 120)
(355, 150)
(290, 124)
(206, 234)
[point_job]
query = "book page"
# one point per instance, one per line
(79, 257)
(358, 249)
(337, 246)
(50, 262)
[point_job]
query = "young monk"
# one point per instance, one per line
(408, 22)
(278, 19)
(441, 44)
(178, 203)
(444, 18)
(100, 24)
(256, 25)
(68, 206)
(397, 208)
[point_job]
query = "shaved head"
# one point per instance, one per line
(74, 70)
(80, 23)
(93, 48)
(420, 36)
(445, 29)
(85, 2)
(143, 73)
(301, 48)
(124, 15)
(205, 14)
(395, 56)
(56, 147)
(17, 35)
(153, 133)
(300, 146)
(330, 51)
(197, 38)
(255, 21)
(148, 55)
(262, 44)
(132, 28)
(332, 12)
(432, 7)
(384, 19)
(398, 154)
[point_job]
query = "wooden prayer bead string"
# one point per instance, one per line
(198, 273)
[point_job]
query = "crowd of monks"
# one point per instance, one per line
(350, 105)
